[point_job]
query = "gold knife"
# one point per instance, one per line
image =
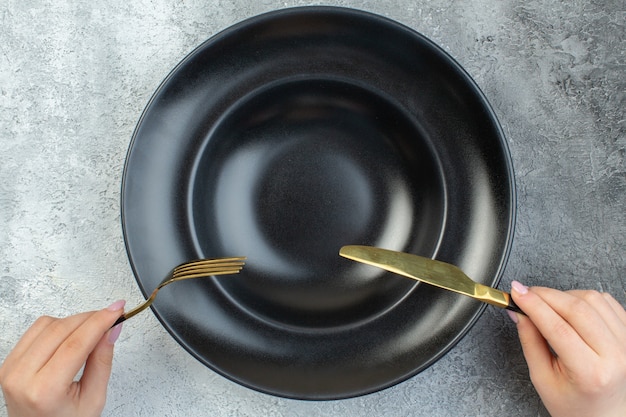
(430, 271)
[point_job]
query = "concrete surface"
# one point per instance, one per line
(75, 76)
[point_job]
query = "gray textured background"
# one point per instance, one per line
(76, 75)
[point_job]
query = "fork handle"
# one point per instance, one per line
(120, 320)
(141, 307)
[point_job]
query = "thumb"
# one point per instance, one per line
(95, 378)
(535, 347)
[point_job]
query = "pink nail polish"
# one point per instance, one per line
(519, 287)
(114, 334)
(118, 305)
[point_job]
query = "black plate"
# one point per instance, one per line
(285, 137)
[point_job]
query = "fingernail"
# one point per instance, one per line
(513, 316)
(118, 305)
(519, 287)
(114, 333)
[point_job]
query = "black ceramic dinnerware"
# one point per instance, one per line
(286, 137)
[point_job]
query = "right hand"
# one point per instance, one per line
(575, 345)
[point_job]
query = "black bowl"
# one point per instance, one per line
(286, 137)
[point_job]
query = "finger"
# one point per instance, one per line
(582, 315)
(44, 345)
(616, 306)
(609, 313)
(559, 334)
(25, 343)
(536, 351)
(97, 371)
(72, 354)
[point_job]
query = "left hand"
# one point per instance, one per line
(37, 377)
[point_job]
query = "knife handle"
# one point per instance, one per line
(512, 306)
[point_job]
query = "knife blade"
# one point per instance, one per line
(430, 271)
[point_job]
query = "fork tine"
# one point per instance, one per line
(207, 262)
(208, 267)
(204, 272)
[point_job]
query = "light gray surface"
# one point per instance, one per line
(75, 76)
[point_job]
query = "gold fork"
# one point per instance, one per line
(194, 269)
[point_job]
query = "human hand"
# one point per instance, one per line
(37, 377)
(586, 330)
